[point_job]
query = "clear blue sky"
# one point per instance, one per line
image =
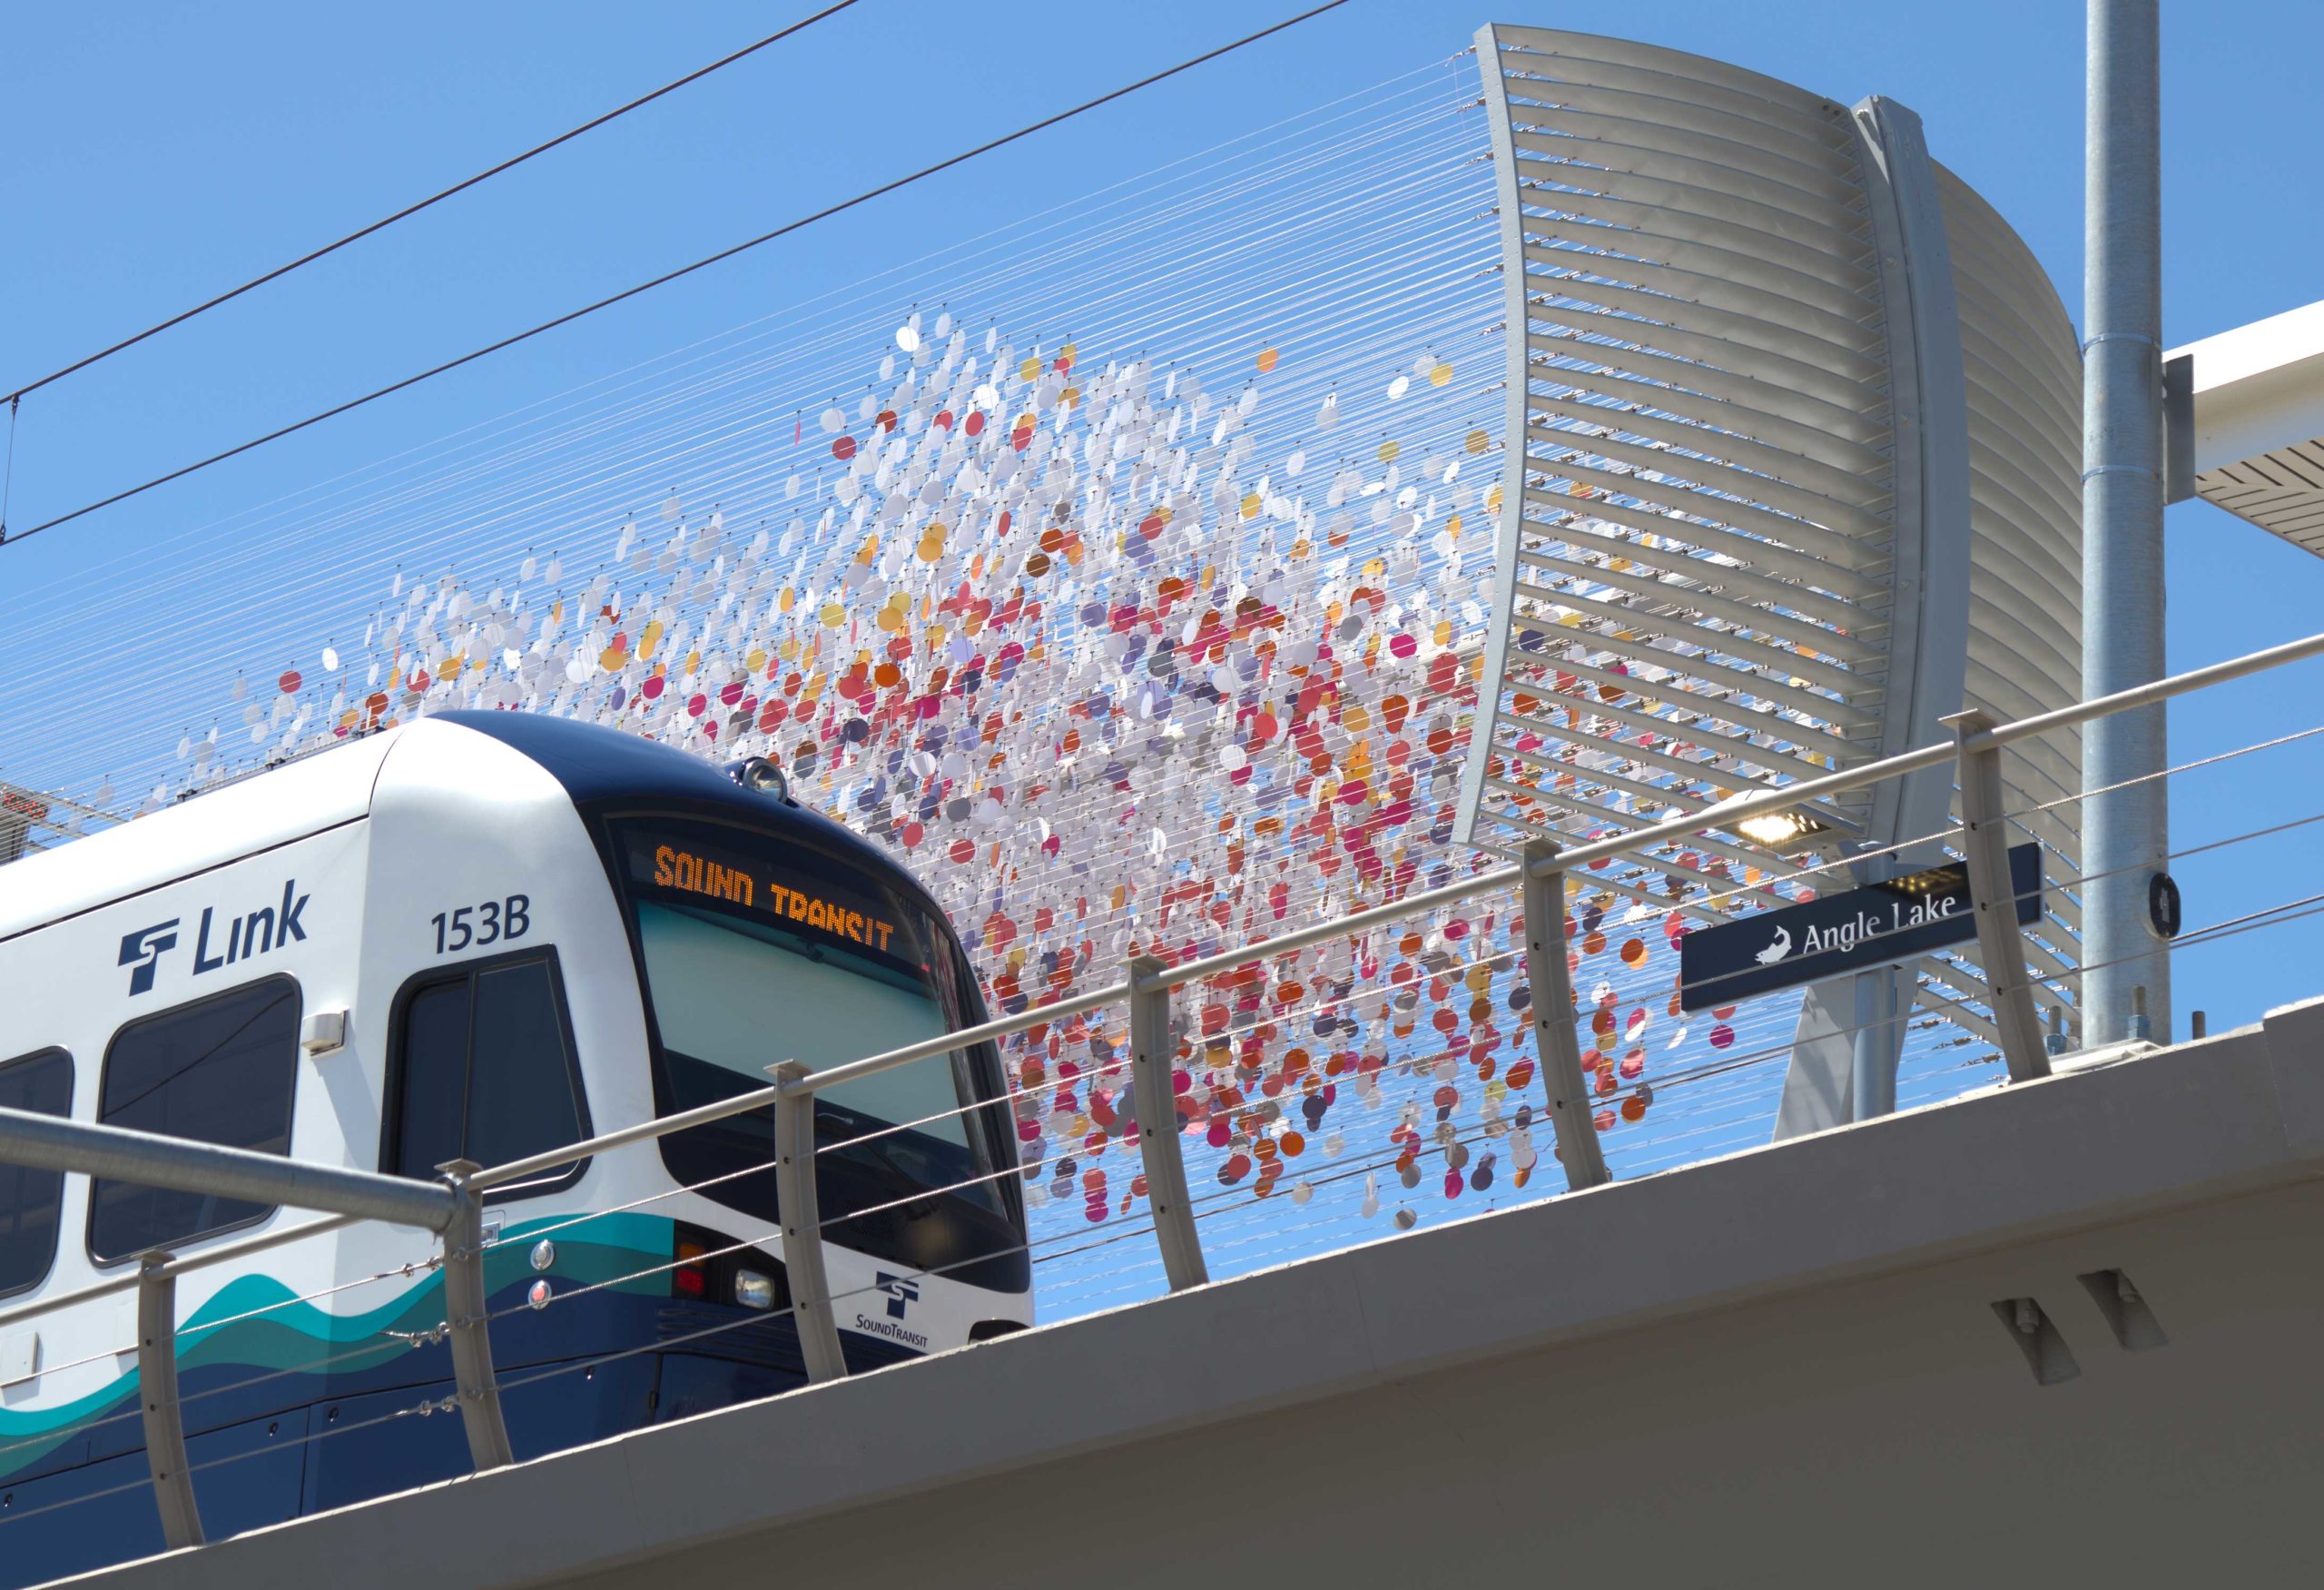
(154, 154)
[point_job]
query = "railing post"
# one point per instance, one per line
(1151, 1052)
(803, 1225)
(157, 1386)
(2000, 937)
(467, 1321)
(1579, 1150)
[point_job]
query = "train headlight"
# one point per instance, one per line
(753, 1290)
(760, 776)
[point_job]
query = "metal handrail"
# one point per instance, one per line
(151, 1159)
(1579, 856)
(452, 1207)
(1187, 972)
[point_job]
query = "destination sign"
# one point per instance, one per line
(690, 866)
(1877, 925)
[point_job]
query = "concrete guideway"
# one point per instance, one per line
(1801, 1363)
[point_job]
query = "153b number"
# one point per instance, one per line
(494, 921)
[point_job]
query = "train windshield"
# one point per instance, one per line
(756, 952)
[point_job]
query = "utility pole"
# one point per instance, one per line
(2125, 833)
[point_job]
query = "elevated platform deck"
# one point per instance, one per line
(1804, 1364)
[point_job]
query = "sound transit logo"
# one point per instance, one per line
(145, 948)
(903, 1292)
(239, 938)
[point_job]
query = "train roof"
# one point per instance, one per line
(181, 840)
(601, 768)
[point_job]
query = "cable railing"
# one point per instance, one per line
(1188, 1229)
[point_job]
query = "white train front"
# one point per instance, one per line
(479, 936)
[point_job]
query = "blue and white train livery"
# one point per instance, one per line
(478, 936)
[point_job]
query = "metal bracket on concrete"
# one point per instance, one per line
(2000, 938)
(1579, 1150)
(157, 1387)
(468, 1320)
(803, 1224)
(2179, 428)
(1151, 1051)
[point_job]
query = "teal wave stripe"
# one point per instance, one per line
(293, 1332)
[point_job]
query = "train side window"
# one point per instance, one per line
(484, 1070)
(31, 1200)
(219, 1071)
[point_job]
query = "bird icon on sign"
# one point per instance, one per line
(1776, 950)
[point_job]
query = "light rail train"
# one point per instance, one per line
(476, 936)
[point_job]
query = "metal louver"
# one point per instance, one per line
(1792, 429)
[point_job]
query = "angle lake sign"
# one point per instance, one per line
(1875, 926)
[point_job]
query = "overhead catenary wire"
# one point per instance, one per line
(182, 636)
(210, 539)
(408, 210)
(684, 270)
(782, 328)
(788, 347)
(532, 534)
(643, 468)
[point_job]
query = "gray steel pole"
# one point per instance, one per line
(157, 1394)
(2126, 833)
(796, 1205)
(1993, 893)
(468, 1317)
(1550, 995)
(1876, 1049)
(1152, 1052)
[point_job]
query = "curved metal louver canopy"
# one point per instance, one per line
(1782, 489)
